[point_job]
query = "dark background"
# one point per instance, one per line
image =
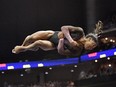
(19, 18)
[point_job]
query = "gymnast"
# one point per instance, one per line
(70, 40)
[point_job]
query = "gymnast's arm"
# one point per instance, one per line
(61, 49)
(67, 29)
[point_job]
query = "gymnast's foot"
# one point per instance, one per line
(18, 49)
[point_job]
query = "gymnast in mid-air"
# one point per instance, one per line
(70, 40)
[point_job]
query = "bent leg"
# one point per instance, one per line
(43, 44)
(40, 35)
(28, 40)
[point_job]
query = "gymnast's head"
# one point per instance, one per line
(91, 41)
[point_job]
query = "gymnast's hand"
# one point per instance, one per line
(73, 43)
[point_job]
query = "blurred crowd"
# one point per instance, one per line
(47, 84)
(103, 69)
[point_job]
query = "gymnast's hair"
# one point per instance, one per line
(97, 31)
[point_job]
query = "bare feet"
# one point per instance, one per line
(18, 49)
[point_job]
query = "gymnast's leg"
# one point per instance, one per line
(43, 44)
(40, 35)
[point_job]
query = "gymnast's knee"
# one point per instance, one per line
(30, 38)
